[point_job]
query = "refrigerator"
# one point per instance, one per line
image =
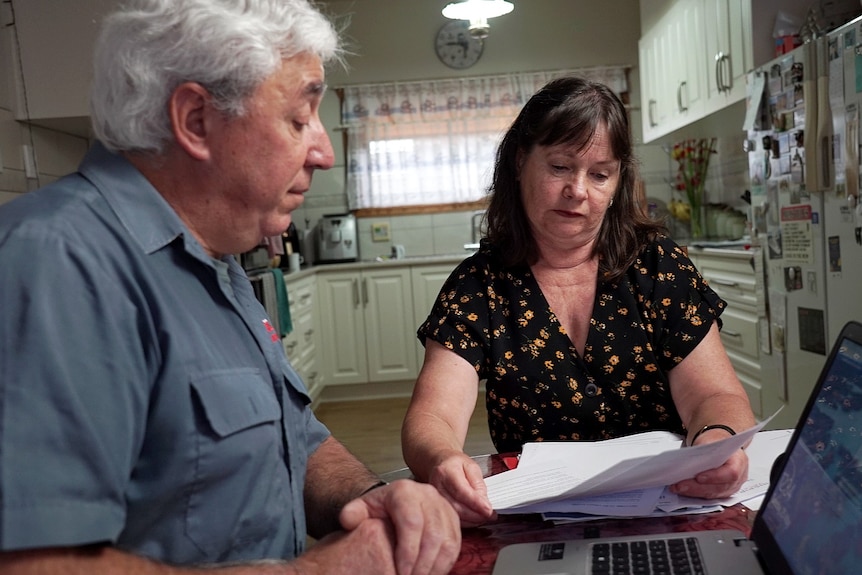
(802, 137)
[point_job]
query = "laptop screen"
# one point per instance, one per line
(812, 521)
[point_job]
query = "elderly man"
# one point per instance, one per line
(149, 421)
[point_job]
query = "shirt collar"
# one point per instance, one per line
(147, 216)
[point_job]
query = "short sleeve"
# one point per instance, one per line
(680, 304)
(460, 318)
(71, 411)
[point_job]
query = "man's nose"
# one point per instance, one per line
(320, 153)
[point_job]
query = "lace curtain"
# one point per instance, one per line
(433, 142)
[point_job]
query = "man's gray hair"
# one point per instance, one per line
(150, 47)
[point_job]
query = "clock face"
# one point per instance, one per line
(456, 47)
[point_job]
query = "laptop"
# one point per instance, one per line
(810, 520)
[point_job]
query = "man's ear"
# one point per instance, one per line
(188, 107)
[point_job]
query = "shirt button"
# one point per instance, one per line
(591, 390)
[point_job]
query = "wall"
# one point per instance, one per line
(394, 40)
(388, 40)
(54, 153)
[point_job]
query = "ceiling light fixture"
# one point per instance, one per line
(477, 12)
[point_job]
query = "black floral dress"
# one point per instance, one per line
(538, 388)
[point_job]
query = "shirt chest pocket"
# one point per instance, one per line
(240, 480)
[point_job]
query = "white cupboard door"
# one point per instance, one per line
(388, 301)
(427, 281)
(342, 320)
(687, 46)
(729, 50)
(649, 84)
(659, 93)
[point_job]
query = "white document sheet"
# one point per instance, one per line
(550, 471)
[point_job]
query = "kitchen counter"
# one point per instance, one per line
(454, 259)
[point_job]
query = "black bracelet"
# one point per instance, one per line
(713, 426)
(380, 483)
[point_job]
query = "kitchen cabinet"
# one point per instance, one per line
(694, 54)
(364, 315)
(672, 77)
(731, 274)
(652, 56)
(427, 281)
(728, 50)
(301, 345)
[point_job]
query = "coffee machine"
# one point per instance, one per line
(336, 239)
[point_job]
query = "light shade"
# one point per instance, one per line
(477, 9)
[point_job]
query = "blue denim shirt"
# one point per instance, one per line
(144, 398)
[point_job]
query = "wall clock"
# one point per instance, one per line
(456, 47)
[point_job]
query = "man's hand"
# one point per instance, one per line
(426, 529)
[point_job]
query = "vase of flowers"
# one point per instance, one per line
(692, 158)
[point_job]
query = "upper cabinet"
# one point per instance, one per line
(54, 49)
(672, 78)
(694, 56)
(728, 49)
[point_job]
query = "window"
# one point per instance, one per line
(433, 142)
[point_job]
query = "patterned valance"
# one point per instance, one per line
(457, 98)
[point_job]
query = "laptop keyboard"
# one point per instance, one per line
(677, 556)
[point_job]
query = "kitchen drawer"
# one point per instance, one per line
(311, 376)
(300, 343)
(752, 388)
(732, 280)
(300, 294)
(739, 333)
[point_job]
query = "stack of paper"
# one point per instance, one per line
(627, 476)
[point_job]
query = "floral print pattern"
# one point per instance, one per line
(538, 387)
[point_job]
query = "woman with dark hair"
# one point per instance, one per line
(586, 321)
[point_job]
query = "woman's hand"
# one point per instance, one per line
(459, 479)
(716, 483)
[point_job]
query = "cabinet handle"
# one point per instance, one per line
(719, 76)
(727, 73)
(722, 60)
(650, 109)
(718, 71)
(355, 284)
(290, 347)
(722, 282)
(730, 333)
(309, 334)
(679, 97)
(364, 291)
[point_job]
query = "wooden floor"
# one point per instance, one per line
(371, 430)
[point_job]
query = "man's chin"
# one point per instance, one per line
(278, 225)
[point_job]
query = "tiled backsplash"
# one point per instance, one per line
(58, 153)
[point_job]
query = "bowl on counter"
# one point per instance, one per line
(724, 222)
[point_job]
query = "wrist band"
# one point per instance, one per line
(709, 427)
(380, 483)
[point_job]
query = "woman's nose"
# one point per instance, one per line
(576, 187)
